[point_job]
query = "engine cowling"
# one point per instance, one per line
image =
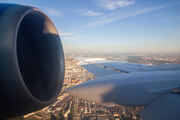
(31, 60)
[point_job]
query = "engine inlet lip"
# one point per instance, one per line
(8, 52)
(15, 97)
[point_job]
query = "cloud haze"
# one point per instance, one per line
(114, 4)
(52, 11)
(118, 16)
(91, 13)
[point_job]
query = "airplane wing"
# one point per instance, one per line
(156, 87)
(97, 70)
(92, 64)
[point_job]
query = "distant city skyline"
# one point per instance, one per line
(114, 26)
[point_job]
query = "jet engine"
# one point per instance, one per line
(31, 60)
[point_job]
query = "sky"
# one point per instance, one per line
(114, 26)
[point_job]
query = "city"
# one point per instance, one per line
(67, 107)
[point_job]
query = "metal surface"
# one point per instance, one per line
(165, 108)
(32, 60)
(127, 89)
(98, 71)
(4, 7)
(128, 67)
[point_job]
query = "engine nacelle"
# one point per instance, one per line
(31, 60)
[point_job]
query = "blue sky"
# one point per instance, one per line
(114, 26)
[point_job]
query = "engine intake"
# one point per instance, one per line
(32, 60)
